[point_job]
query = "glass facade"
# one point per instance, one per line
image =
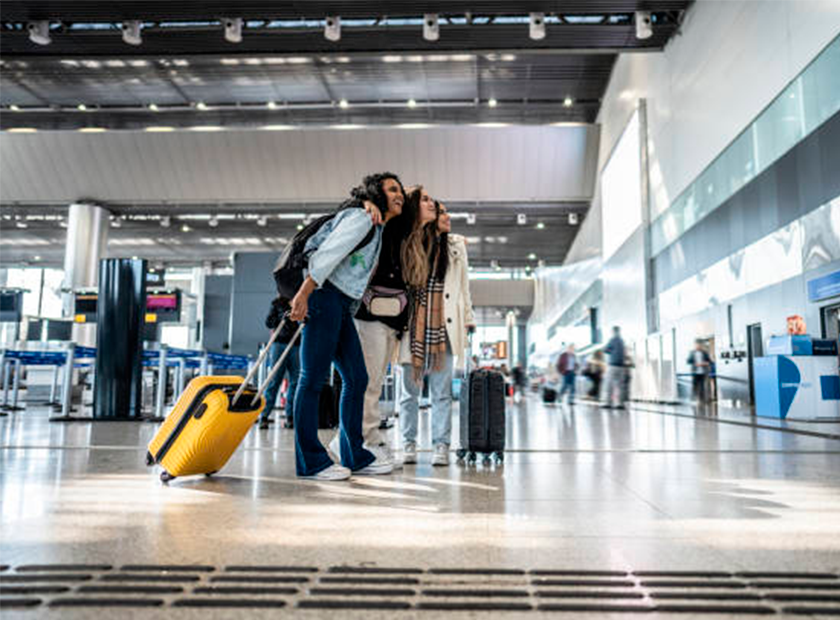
(807, 102)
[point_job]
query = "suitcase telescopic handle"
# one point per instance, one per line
(275, 369)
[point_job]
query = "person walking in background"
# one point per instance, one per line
(595, 372)
(519, 379)
(291, 364)
(567, 366)
(700, 363)
(614, 383)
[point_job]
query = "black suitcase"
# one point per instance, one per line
(482, 413)
(549, 395)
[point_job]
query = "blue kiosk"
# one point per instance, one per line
(798, 379)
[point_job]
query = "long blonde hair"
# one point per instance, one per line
(419, 244)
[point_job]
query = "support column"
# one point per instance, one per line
(87, 241)
(121, 311)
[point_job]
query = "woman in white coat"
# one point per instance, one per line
(443, 314)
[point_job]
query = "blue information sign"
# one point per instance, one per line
(824, 287)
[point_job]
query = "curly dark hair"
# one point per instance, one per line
(371, 189)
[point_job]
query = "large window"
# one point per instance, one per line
(44, 290)
(621, 190)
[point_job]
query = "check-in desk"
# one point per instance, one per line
(798, 379)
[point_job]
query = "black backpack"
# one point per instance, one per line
(288, 273)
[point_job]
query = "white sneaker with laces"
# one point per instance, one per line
(410, 453)
(379, 467)
(441, 455)
(333, 472)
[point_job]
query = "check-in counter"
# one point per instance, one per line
(798, 379)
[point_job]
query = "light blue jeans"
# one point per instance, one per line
(440, 391)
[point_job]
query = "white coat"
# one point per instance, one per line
(457, 302)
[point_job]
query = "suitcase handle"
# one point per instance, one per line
(261, 359)
(278, 364)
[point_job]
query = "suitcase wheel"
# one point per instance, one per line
(472, 457)
(486, 459)
(500, 457)
(165, 476)
(460, 454)
(210, 473)
(150, 460)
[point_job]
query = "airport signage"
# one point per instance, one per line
(824, 287)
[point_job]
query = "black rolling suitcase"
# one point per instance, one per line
(482, 413)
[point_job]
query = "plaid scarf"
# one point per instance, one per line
(428, 332)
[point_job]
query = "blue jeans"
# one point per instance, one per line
(440, 391)
(568, 386)
(291, 365)
(330, 336)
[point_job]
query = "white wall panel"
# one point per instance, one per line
(457, 163)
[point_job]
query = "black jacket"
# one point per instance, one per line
(389, 274)
(278, 308)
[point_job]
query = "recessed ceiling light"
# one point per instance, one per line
(22, 130)
(93, 130)
(207, 128)
(414, 125)
(278, 127)
(153, 107)
(21, 224)
(343, 104)
(412, 103)
(14, 108)
(271, 105)
(567, 102)
(508, 57)
(392, 58)
(540, 225)
(81, 107)
(201, 106)
(492, 124)
(36, 257)
(532, 256)
(186, 228)
(300, 226)
(492, 102)
(347, 126)
(213, 222)
(154, 129)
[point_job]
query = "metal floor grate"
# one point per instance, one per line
(414, 588)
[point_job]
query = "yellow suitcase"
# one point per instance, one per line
(211, 418)
(204, 428)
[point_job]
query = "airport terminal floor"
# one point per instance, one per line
(654, 509)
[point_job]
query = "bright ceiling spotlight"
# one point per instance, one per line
(116, 222)
(185, 228)
(21, 224)
(537, 28)
(39, 32)
(644, 25)
(540, 225)
(567, 102)
(153, 107)
(262, 221)
(271, 105)
(233, 30)
(343, 104)
(521, 219)
(213, 222)
(532, 256)
(492, 102)
(471, 219)
(166, 221)
(201, 106)
(332, 28)
(14, 108)
(431, 27)
(412, 103)
(81, 107)
(131, 32)
(300, 226)
(573, 219)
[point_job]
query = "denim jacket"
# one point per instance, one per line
(331, 261)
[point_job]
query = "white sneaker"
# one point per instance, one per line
(441, 455)
(379, 467)
(333, 472)
(335, 447)
(410, 453)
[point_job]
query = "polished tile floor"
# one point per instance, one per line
(580, 489)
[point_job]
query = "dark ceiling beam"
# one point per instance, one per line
(95, 10)
(560, 38)
(314, 115)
